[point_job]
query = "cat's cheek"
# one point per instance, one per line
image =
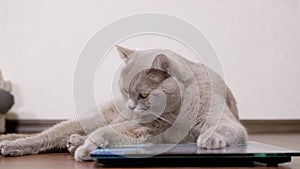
(157, 98)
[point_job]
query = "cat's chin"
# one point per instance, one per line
(140, 112)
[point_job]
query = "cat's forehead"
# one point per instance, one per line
(139, 61)
(143, 78)
(139, 80)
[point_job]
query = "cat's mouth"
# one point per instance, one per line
(140, 111)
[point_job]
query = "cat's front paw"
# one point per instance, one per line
(10, 148)
(216, 141)
(83, 152)
(74, 142)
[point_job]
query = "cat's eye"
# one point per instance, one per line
(143, 95)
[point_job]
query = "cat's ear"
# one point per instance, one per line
(124, 52)
(161, 62)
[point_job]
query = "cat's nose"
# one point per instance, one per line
(131, 104)
(131, 107)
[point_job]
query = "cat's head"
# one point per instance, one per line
(146, 84)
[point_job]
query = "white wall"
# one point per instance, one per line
(257, 41)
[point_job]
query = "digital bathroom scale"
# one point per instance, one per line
(191, 155)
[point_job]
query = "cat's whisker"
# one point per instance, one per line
(160, 117)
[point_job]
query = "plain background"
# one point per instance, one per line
(257, 42)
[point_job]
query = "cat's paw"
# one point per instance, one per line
(74, 142)
(216, 141)
(82, 153)
(10, 148)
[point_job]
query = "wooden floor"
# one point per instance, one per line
(65, 161)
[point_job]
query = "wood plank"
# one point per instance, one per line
(252, 126)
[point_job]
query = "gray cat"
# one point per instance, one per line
(166, 99)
